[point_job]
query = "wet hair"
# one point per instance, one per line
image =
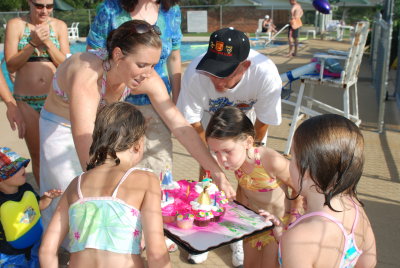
(127, 39)
(331, 148)
(129, 5)
(118, 127)
(230, 122)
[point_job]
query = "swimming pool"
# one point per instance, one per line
(189, 50)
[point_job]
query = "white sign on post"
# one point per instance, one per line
(197, 21)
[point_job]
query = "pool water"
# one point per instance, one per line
(189, 50)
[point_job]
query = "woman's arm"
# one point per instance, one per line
(175, 73)
(58, 55)
(55, 233)
(16, 59)
(156, 250)
(154, 87)
(84, 99)
(13, 115)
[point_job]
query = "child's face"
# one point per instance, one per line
(17, 179)
(229, 153)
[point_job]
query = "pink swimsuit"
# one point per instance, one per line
(351, 252)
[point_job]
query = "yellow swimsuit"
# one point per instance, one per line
(258, 181)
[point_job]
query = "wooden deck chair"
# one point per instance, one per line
(348, 77)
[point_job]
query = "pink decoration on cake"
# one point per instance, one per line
(168, 209)
(194, 203)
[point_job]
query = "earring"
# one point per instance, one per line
(247, 154)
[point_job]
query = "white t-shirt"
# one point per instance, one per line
(259, 90)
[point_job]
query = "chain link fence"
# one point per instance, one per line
(244, 18)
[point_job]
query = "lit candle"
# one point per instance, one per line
(166, 196)
(187, 191)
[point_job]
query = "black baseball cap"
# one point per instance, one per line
(227, 49)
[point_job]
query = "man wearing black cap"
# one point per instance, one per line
(231, 74)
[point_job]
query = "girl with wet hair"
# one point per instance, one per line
(262, 173)
(110, 206)
(89, 80)
(326, 166)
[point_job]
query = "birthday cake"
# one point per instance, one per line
(186, 203)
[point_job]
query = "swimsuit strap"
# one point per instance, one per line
(103, 84)
(330, 217)
(257, 158)
(122, 180)
(79, 186)
(80, 195)
(356, 219)
(322, 214)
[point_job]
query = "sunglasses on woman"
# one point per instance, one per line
(41, 6)
(145, 28)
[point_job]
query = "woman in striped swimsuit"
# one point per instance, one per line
(34, 46)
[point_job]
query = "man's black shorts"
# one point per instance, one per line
(293, 33)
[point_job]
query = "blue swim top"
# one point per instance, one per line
(104, 223)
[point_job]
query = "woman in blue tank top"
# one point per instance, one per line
(166, 15)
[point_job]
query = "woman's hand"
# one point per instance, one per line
(15, 119)
(224, 185)
(40, 35)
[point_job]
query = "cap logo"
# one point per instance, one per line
(219, 46)
(229, 49)
(212, 45)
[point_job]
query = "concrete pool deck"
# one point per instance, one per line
(379, 187)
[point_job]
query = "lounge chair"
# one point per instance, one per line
(348, 77)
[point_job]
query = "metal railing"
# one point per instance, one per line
(380, 57)
(275, 35)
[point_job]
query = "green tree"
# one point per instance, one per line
(203, 2)
(11, 5)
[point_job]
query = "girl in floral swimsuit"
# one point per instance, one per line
(113, 203)
(326, 166)
(262, 173)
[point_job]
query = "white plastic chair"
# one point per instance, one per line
(73, 31)
(259, 33)
(348, 78)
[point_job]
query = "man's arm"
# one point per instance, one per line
(200, 130)
(261, 130)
